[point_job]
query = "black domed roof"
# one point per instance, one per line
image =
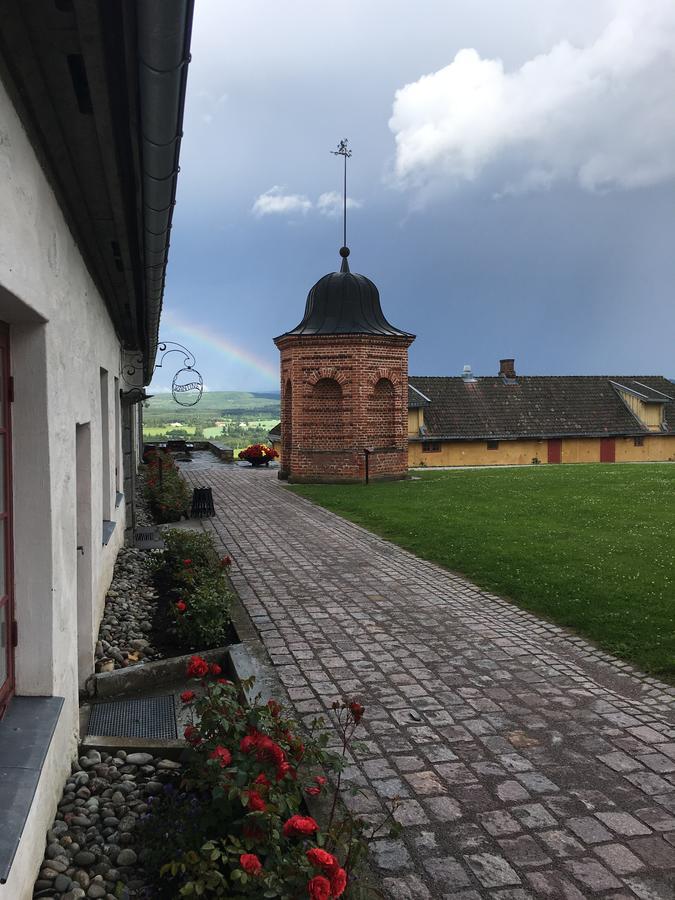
(344, 302)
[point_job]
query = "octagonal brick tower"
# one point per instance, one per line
(344, 386)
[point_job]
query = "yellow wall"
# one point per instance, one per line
(415, 419)
(581, 450)
(475, 453)
(650, 414)
(655, 448)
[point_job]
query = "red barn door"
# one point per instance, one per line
(554, 450)
(607, 449)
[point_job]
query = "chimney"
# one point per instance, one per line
(467, 375)
(507, 368)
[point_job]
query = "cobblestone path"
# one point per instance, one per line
(528, 764)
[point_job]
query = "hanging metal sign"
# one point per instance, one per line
(187, 385)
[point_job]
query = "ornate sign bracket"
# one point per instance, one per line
(187, 385)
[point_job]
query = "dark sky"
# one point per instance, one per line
(517, 199)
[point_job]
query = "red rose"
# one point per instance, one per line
(191, 735)
(356, 710)
(338, 882)
(187, 696)
(224, 681)
(322, 859)
(223, 755)
(226, 561)
(313, 791)
(248, 743)
(181, 606)
(197, 667)
(274, 708)
(319, 888)
(320, 780)
(250, 863)
(215, 669)
(256, 802)
(284, 769)
(269, 750)
(263, 780)
(187, 562)
(300, 826)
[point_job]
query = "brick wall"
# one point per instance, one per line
(347, 393)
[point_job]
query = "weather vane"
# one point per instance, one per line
(344, 151)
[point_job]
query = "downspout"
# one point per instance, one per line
(164, 32)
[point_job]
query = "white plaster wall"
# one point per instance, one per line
(61, 336)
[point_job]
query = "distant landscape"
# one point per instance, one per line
(237, 418)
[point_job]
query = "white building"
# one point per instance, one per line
(91, 105)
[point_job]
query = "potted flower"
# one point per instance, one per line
(258, 454)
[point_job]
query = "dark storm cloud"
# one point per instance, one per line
(564, 279)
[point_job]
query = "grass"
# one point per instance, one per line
(590, 547)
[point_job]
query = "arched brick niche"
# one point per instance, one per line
(325, 415)
(286, 424)
(382, 414)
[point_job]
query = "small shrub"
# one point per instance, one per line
(165, 490)
(195, 584)
(235, 826)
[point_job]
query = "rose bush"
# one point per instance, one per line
(195, 584)
(165, 490)
(235, 825)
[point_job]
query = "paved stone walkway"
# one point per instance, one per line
(528, 764)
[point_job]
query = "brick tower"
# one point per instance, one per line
(344, 386)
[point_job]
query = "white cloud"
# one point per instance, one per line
(330, 203)
(275, 202)
(602, 115)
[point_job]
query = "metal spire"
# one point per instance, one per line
(344, 151)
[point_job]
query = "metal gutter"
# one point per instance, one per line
(164, 29)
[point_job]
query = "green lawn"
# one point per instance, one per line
(591, 547)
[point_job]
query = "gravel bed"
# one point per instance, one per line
(131, 603)
(91, 847)
(124, 637)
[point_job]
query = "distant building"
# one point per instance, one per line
(91, 99)
(344, 386)
(508, 419)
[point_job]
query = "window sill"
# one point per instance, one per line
(108, 528)
(25, 735)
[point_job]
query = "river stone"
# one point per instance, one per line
(85, 858)
(62, 883)
(168, 764)
(96, 891)
(126, 857)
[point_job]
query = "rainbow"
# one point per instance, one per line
(212, 339)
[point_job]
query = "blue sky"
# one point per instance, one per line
(513, 181)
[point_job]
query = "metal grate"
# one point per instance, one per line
(151, 717)
(148, 539)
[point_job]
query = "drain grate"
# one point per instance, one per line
(148, 539)
(151, 717)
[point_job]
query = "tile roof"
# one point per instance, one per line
(538, 406)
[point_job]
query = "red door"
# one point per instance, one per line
(6, 575)
(554, 450)
(607, 449)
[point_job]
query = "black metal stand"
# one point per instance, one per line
(202, 503)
